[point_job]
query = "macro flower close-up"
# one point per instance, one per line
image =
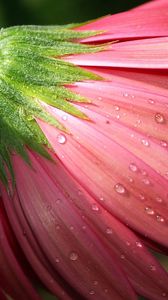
(84, 158)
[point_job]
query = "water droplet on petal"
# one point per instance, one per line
(95, 207)
(128, 243)
(122, 256)
(116, 108)
(120, 189)
(149, 210)
(95, 282)
(159, 199)
(159, 118)
(160, 218)
(125, 94)
(164, 294)
(92, 292)
(57, 260)
(146, 181)
(109, 230)
(163, 144)
(142, 197)
(151, 101)
(152, 268)
(64, 117)
(139, 244)
(61, 138)
(133, 167)
(73, 256)
(145, 142)
(57, 227)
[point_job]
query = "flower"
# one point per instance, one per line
(85, 207)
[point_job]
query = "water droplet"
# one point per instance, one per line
(151, 101)
(106, 291)
(95, 282)
(122, 256)
(101, 198)
(145, 142)
(130, 179)
(71, 227)
(141, 197)
(120, 189)
(146, 181)
(84, 227)
(92, 292)
(164, 294)
(159, 199)
(152, 268)
(61, 138)
(73, 256)
(163, 144)
(125, 94)
(95, 207)
(109, 230)
(139, 244)
(128, 243)
(133, 167)
(64, 117)
(57, 227)
(57, 260)
(149, 210)
(99, 98)
(116, 108)
(160, 218)
(159, 118)
(144, 173)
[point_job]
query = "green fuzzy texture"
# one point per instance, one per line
(31, 71)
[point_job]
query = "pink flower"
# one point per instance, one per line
(85, 220)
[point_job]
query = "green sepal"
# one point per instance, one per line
(32, 72)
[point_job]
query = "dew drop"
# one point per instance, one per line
(145, 142)
(159, 199)
(159, 118)
(141, 197)
(92, 292)
(95, 282)
(101, 198)
(160, 218)
(109, 230)
(64, 117)
(84, 227)
(164, 294)
(71, 227)
(106, 291)
(57, 260)
(133, 167)
(146, 181)
(57, 227)
(116, 108)
(99, 98)
(122, 256)
(138, 244)
(149, 210)
(152, 268)
(120, 189)
(95, 207)
(151, 101)
(73, 256)
(125, 94)
(163, 144)
(128, 243)
(61, 138)
(144, 173)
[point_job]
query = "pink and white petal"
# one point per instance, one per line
(139, 54)
(79, 258)
(137, 23)
(153, 4)
(143, 270)
(12, 277)
(101, 165)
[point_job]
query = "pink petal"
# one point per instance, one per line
(79, 258)
(93, 155)
(146, 53)
(143, 22)
(12, 277)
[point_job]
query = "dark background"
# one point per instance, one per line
(13, 12)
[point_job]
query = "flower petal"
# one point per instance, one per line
(79, 258)
(145, 53)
